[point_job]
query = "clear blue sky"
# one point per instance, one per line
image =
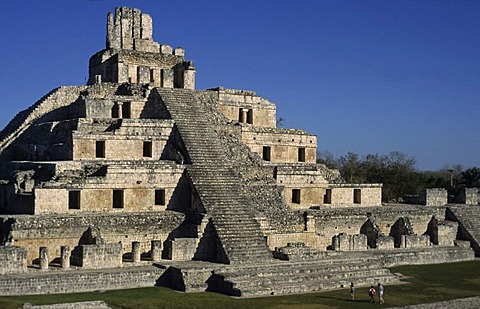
(364, 76)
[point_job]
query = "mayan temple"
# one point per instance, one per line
(138, 179)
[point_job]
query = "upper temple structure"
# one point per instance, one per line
(137, 170)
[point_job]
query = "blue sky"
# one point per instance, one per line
(364, 76)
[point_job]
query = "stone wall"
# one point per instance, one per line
(98, 256)
(12, 260)
(181, 249)
(54, 231)
(75, 282)
(345, 195)
(285, 144)
(469, 196)
(414, 241)
(385, 243)
(433, 197)
(345, 242)
(351, 221)
(138, 182)
(246, 107)
(126, 141)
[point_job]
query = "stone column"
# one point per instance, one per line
(310, 223)
(403, 241)
(135, 251)
(65, 256)
(243, 116)
(43, 258)
(156, 250)
(167, 76)
(119, 106)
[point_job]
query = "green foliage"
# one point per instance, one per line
(427, 283)
(470, 177)
(397, 172)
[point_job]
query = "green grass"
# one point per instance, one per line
(430, 283)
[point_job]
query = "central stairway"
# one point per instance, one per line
(214, 179)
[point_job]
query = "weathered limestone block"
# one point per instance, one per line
(65, 254)
(471, 196)
(166, 49)
(463, 243)
(310, 223)
(433, 197)
(136, 254)
(341, 242)
(12, 260)
(345, 242)
(358, 242)
(189, 76)
(414, 241)
(297, 252)
(447, 233)
(98, 256)
(179, 51)
(156, 250)
(385, 243)
(43, 258)
(167, 78)
(181, 249)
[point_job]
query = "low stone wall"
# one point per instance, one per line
(431, 255)
(321, 225)
(13, 260)
(414, 241)
(98, 256)
(181, 249)
(96, 304)
(75, 282)
(344, 242)
(385, 243)
(54, 231)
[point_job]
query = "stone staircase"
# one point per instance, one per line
(299, 277)
(468, 217)
(217, 185)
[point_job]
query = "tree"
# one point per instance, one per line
(470, 177)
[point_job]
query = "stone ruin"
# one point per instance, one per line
(148, 181)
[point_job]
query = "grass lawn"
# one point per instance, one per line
(430, 283)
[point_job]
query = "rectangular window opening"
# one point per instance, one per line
(115, 110)
(241, 116)
(327, 198)
(126, 110)
(296, 196)
(100, 149)
(160, 197)
(301, 154)
(250, 116)
(147, 149)
(267, 151)
(73, 199)
(117, 199)
(152, 76)
(357, 196)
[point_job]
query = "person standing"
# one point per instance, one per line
(371, 293)
(380, 293)
(352, 291)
